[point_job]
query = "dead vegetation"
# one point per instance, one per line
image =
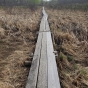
(70, 29)
(18, 27)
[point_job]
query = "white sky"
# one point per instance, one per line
(46, 0)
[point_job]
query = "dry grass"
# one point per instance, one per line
(18, 27)
(70, 29)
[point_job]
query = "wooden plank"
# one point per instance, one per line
(33, 74)
(42, 78)
(53, 78)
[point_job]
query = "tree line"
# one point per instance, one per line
(59, 4)
(18, 2)
(68, 4)
(71, 2)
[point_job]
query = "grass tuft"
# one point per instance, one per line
(61, 57)
(83, 72)
(70, 58)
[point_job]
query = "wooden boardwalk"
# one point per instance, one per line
(43, 72)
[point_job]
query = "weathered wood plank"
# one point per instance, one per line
(32, 78)
(42, 77)
(53, 78)
(33, 74)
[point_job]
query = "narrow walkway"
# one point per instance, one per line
(43, 72)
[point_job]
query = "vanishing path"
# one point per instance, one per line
(43, 72)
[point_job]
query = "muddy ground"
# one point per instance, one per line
(70, 30)
(18, 27)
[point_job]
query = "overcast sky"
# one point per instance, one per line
(46, 0)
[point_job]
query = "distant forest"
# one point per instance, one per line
(72, 1)
(15, 2)
(68, 4)
(28, 2)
